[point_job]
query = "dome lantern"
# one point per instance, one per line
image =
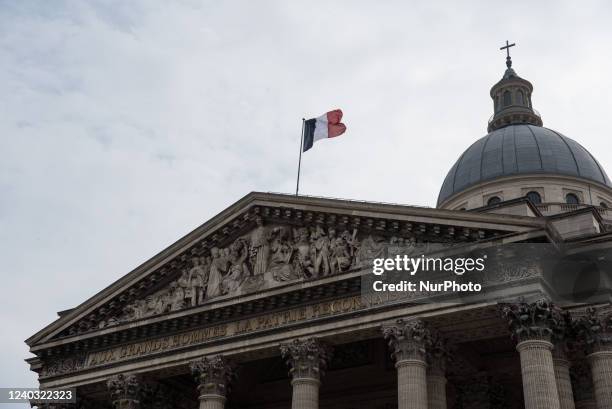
(512, 99)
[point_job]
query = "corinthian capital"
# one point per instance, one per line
(306, 358)
(408, 339)
(536, 320)
(124, 390)
(595, 329)
(213, 375)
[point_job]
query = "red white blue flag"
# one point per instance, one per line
(323, 127)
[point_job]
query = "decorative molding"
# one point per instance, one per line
(213, 375)
(408, 339)
(124, 390)
(263, 247)
(534, 320)
(594, 329)
(306, 358)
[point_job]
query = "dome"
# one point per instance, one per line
(520, 150)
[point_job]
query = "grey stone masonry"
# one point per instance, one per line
(213, 375)
(408, 340)
(307, 360)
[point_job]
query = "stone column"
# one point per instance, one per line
(307, 360)
(408, 340)
(601, 369)
(562, 375)
(437, 355)
(531, 326)
(562, 333)
(125, 391)
(595, 329)
(213, 375)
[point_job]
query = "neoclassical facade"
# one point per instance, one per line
(265, 305)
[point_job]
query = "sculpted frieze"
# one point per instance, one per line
(268, 256)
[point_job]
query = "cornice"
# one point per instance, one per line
(236, 219)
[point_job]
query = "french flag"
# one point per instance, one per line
(323, 127)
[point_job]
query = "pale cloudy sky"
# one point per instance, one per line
(126, 124)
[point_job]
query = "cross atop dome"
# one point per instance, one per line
(507, 48)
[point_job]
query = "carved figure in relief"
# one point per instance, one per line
(154, 305)
(260, 247)
(136, 310)
(282, 251)
(196, 281)
(371, 247)
(303, 261)
(321, 249)
(176, 296)
(238, 270)
(218, 267)
(341, 255)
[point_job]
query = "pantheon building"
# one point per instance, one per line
(266, 305)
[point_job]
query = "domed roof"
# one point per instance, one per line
(520, 150)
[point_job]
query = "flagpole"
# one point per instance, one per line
(297, 186)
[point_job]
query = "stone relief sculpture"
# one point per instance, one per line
(260, 247)
(268, 256)
(218, 267)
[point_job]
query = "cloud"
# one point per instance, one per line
(126, 124)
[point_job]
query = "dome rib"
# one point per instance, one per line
(537, 146)
(569, 149)
(520, 149)
(482, 153)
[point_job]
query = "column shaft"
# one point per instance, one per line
(537, 369)
(411, 384)
(436, 391)
(305, 393)
(564, 383)
(212, 401)
(601, 368)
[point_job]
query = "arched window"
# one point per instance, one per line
(520, 99)
(507, 98)
(493, 200)
(604, 205)
(534, 197)
(571, 198)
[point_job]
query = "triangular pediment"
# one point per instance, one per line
(265, 241)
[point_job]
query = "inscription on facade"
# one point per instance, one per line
(202, 335)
